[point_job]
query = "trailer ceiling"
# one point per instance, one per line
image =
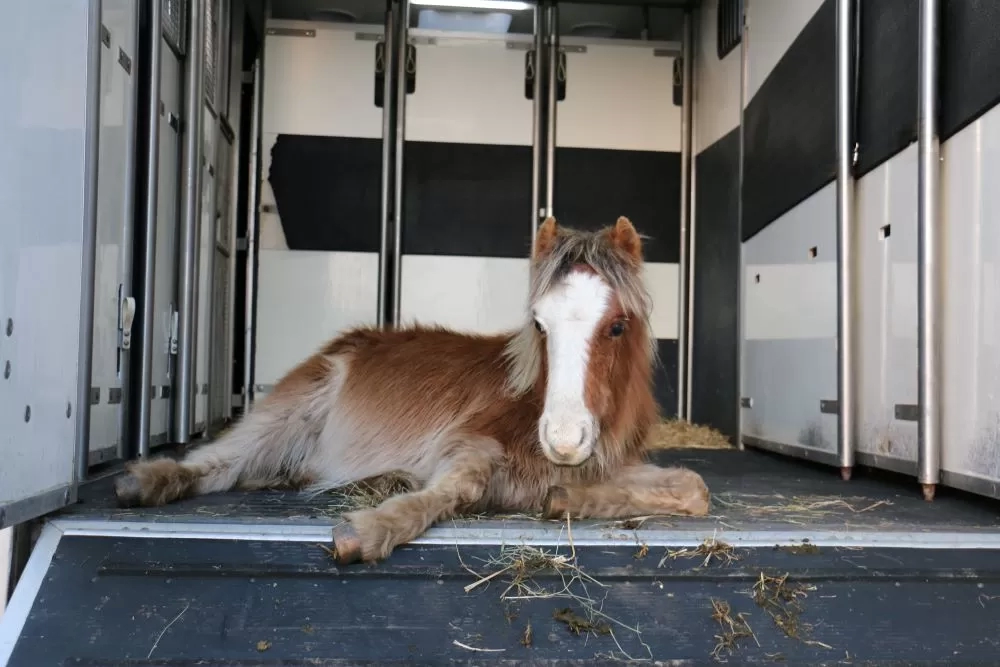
(662, 18)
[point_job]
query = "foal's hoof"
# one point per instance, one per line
(556, 503)
(346, 544)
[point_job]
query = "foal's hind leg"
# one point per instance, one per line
(459, 481)
(639, 489)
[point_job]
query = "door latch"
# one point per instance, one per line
(174, 330)
(127, 316)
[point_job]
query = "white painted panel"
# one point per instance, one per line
(971, 205)
(887, 351)
(117, 88)
(619, 97)
(469, 92)
(476, 294)
(773, 26)
(167, 225)
(272, 234)
(790, 334)
(42, 176)
(322, 85)
(789, 294)
(305, 298)
(662, 282)
(717, 82)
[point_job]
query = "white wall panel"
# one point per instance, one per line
(6, 549)
(971, 206)
(322, 85)
(166, 245)
(619, 97)
(773, 26)
(662, 282)
(473, 294)
(717, 82)
(790, 335)
(43, 63)
(469, 92)
(305, 298)
(886, 210)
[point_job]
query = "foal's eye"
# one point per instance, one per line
(617, 329)
(538, 325)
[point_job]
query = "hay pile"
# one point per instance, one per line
(681, 434)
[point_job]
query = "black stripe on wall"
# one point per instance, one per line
(466, 199)
(887, 90)
(328, 192)
(665, 377)
(596, 186)
(790, 126)
(970, 62)
(715, 361)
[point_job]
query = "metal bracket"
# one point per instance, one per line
(124, 61)
(746, 402)
(105, 36)
(95, 395)
(367, 37)
(114, 395)
(907, 412)
(291, 32)
(829, 407)
(241, 244)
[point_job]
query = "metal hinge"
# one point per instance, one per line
(746, 402)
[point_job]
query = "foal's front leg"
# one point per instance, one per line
(636, 490)
(460, 480)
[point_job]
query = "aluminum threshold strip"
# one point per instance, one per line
(549, 533)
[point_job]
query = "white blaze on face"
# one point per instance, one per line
(569, 315)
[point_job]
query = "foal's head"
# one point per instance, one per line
(589, 337)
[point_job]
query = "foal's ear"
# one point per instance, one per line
(545, 240)
(624, 236)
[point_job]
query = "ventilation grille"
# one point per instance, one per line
(211, 50)
(174, 19)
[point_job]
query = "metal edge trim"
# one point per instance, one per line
(551, 533)
(37, 505)
(23, 599)
(890, 463)
(797, 451)
(977, 485)
(202, 531)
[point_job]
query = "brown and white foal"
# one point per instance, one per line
(551, 417)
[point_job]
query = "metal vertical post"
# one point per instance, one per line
(252, 214)
(740, 275)
(144, 337)
(537, 121)
(388, 108)
(552, 63)
(92, 138)
(187, 284)
(930, 260)
(128, 244)
(847, 304)
(402, 67)
(682, 296)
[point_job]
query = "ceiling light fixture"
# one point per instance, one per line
(509, 5)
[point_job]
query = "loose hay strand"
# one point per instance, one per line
(733, 629)
(522, 564)
(709, 549)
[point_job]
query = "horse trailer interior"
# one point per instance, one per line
(198, 194)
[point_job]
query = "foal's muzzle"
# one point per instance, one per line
(567, 440)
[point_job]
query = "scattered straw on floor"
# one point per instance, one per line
(710, 549)
(519, 568)
(370, 492)
(681, 434)
(782, 600)
(798, 509)
(733, 629)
